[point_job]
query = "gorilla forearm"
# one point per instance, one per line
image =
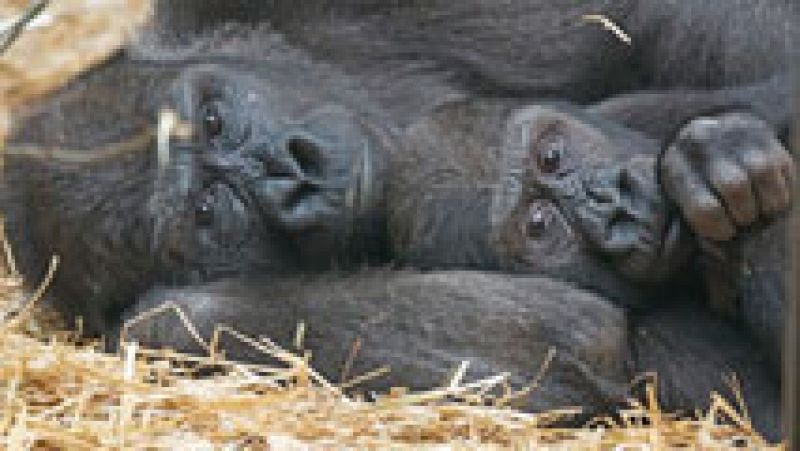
(711, 44)
(422, 325)
(747, 280)
(659, 114)
(538, 48)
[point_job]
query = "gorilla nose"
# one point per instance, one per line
(623, 209)
(297, 157)
(618, 185)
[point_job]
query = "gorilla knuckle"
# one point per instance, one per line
(700, 130)
(785, 160)
(703, 209)
(708, 217)
(760, 165)
(731, 183)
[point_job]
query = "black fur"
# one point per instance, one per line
(526, 48)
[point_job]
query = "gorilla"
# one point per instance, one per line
(275, 189)
(297, 167)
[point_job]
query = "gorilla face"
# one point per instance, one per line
(277, 175)
(272, 159)
(581, 194)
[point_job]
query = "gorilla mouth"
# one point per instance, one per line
(656, 254)
(644, 247)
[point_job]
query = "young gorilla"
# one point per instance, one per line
(285, 174)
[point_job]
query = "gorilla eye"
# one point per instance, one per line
(537, 222)
(212, 122)
(550, 154)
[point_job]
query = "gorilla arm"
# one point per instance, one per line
(422, 325)
(529, 48)
(660, 113)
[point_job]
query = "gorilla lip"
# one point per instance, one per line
(653, 252)
(658, 256)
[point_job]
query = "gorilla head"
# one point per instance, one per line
(278, 175)
(551, 190)
(579, 183)
(275, 156)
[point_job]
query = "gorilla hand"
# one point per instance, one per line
(726, 172)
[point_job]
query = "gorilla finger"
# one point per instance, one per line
(707, 216)
(676, 173)
(776, 195)
(733, 186)
(700, 207)
(788, 168)
(769, 184)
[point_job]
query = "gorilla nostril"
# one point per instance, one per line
(620, 216)
(625, 181)
(303, 191)
(279, 169)
(602, 194)
(306, 154)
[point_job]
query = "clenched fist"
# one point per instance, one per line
(726, 172)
